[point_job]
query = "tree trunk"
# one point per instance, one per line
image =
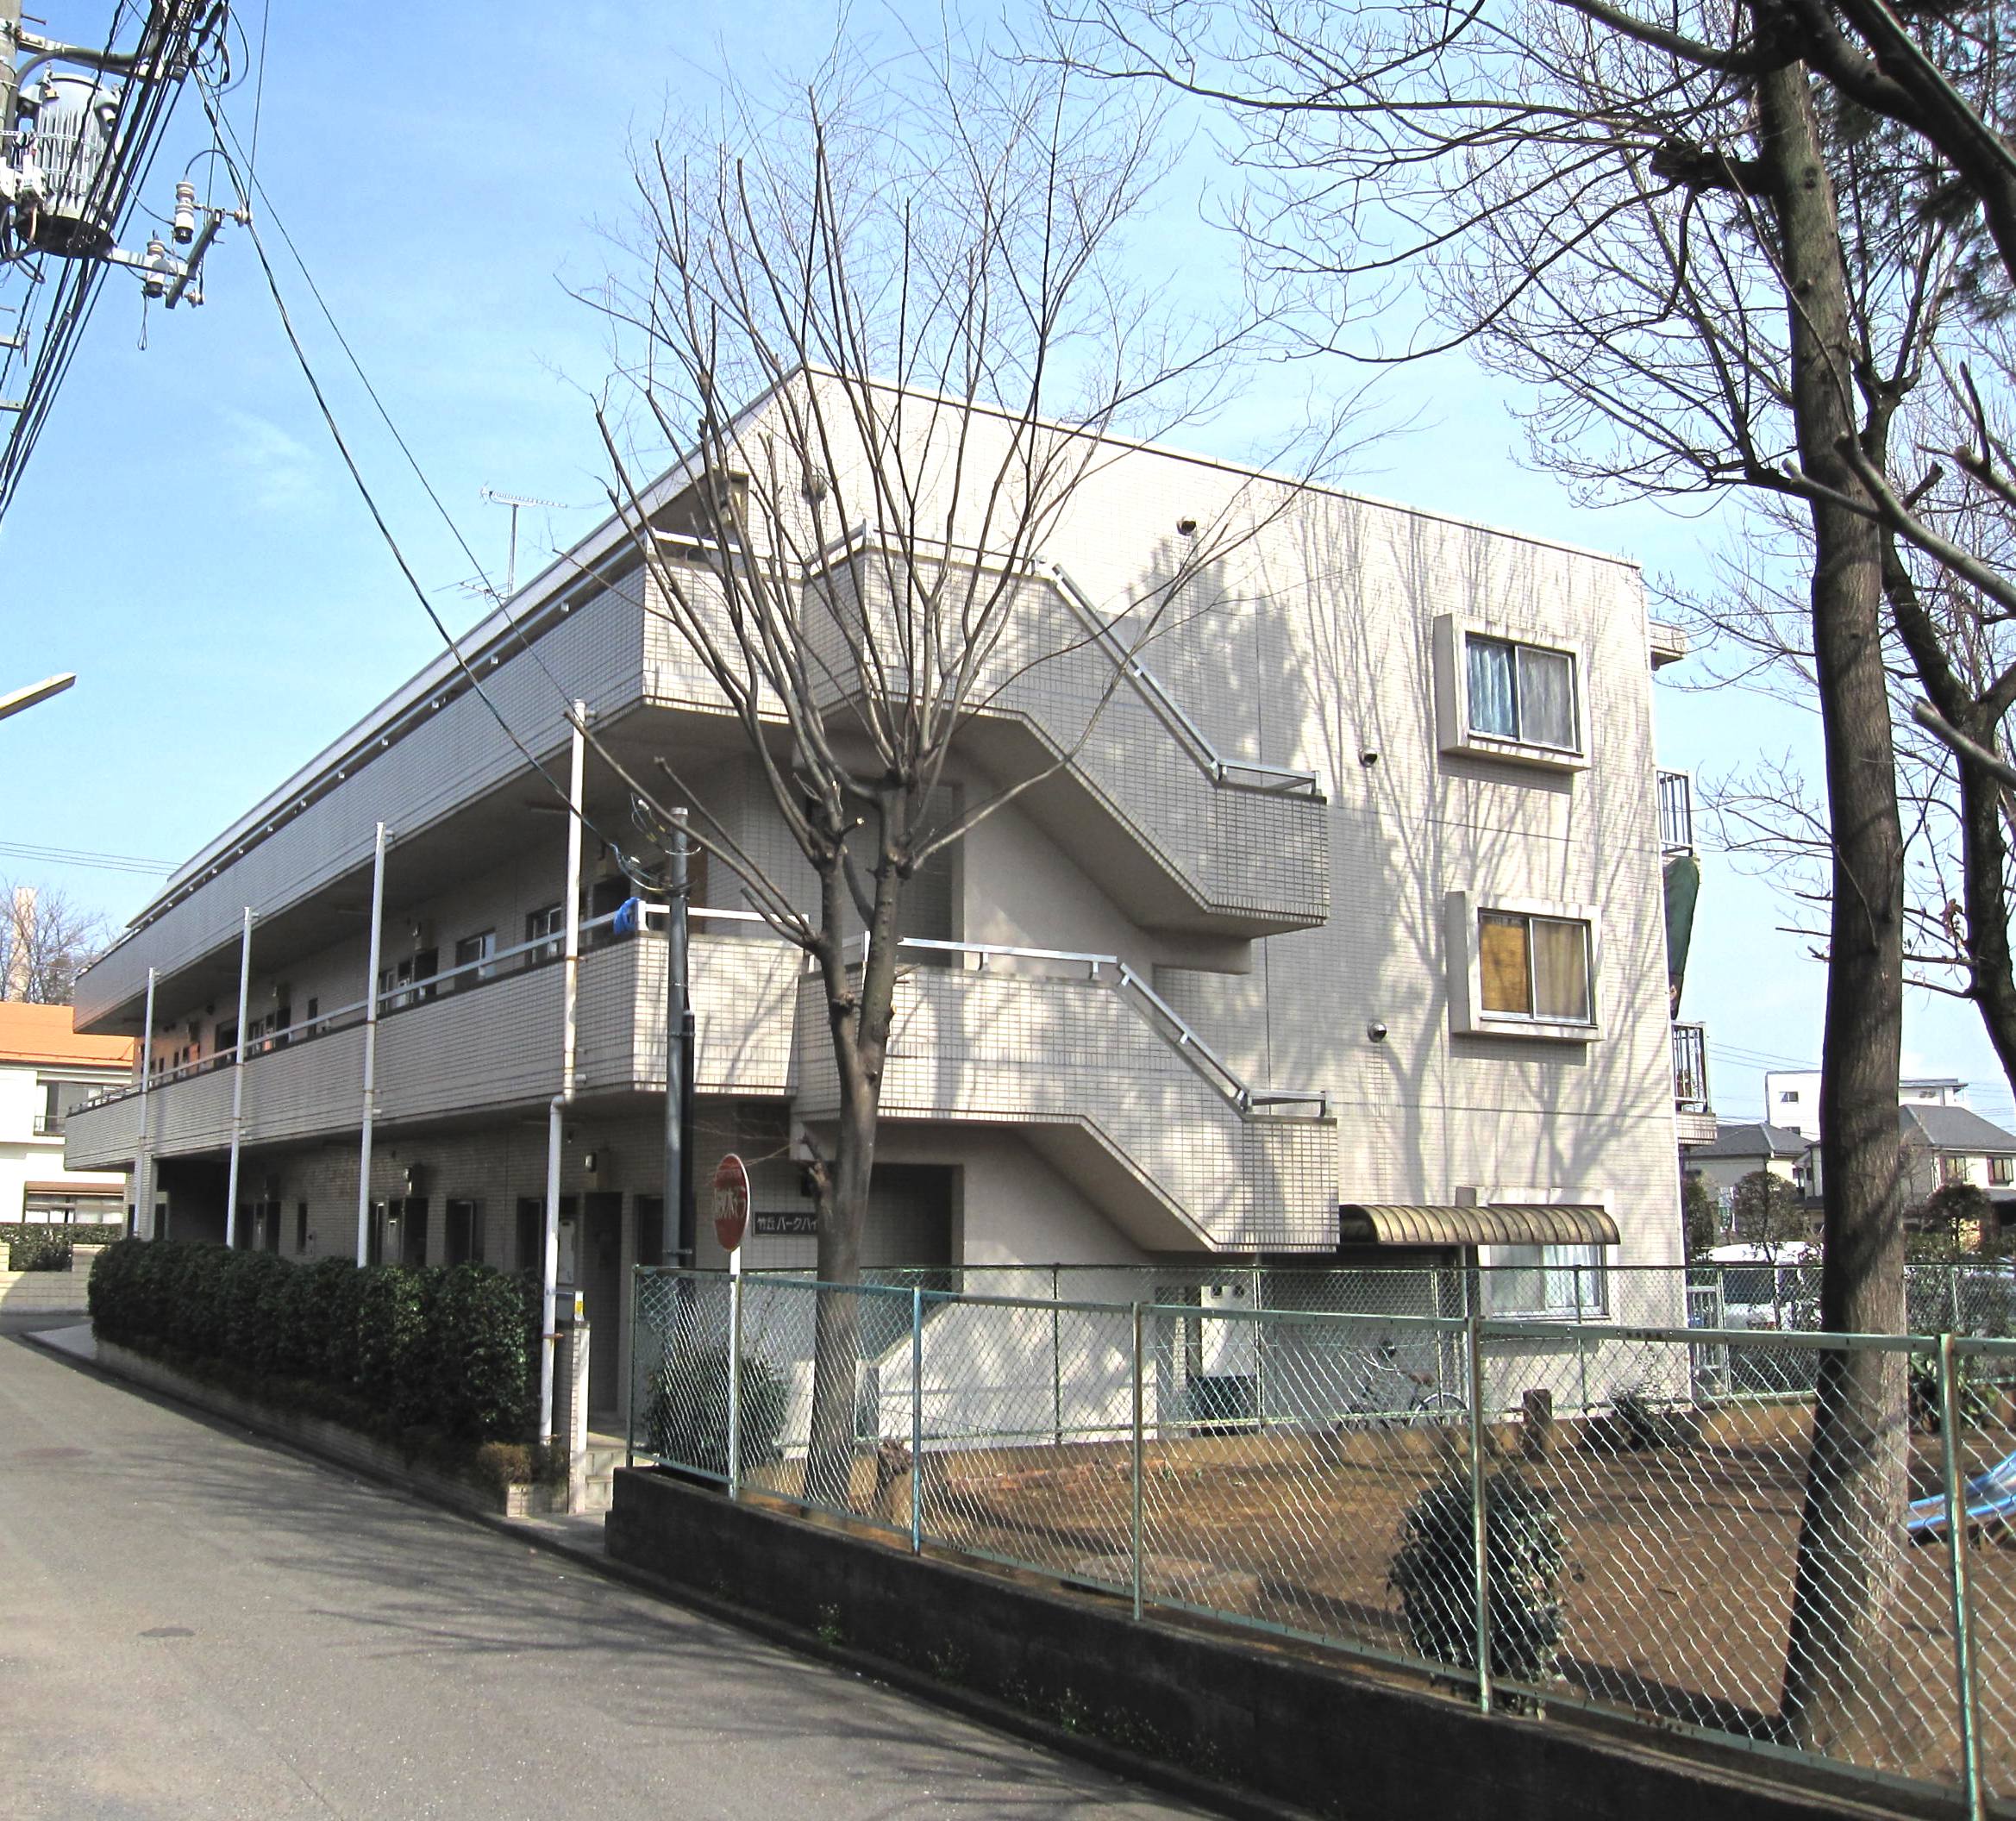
(1850, 1537)
(859, 1012)
(1984, 836)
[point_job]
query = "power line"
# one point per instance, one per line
(76, 857)
(371, 503)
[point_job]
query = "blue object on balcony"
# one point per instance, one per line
(629, 916)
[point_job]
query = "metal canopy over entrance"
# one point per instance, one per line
(1502, 1223)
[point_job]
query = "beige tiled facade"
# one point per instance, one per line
(1051, 1110)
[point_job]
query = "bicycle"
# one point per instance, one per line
(1389, 1395)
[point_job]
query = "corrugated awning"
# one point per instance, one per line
(1503, 1224)
(73, 1188)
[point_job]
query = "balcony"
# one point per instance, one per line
(1111, 1083)
(473, 1040)
(1676, 812)
(49, 1125)
(1693, 1115)
(1105, 1078)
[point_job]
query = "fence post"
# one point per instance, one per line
(1479, 1517)
(916, 1420)
(734, 1370)
(1582, 1356)
(1953, 1292)
(636, 1354)
(1955, 1490)
(1056, 1364)
(1136, 1526)
(1259, 1329)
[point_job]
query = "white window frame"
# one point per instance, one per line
(1604, 1265)
(1450, 638)
(1467, 1015)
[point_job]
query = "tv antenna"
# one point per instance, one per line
(514, 502)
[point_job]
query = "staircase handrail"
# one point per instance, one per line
(1241, 774)
(1147, 1004)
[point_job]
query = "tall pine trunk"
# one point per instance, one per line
(1851, 1534)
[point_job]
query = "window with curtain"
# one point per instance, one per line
(1534, 967)
(1523, 693)
(1549, 1280)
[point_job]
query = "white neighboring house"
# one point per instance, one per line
(1376, 821)
(47, 1069)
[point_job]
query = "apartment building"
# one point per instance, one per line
(1330, 929)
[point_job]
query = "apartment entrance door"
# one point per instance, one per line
(599, 1248)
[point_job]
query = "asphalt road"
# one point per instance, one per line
(196, 1624)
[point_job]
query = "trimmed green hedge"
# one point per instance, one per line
(449, 1351)
(38, 1247)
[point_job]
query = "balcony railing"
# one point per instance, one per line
(1690, 1068)
(49, 1125)
(1676, 812)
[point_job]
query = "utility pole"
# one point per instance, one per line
(678, 1236)
(9, 49)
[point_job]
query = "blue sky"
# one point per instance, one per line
(188, 543)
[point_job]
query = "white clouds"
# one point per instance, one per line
(272, 470)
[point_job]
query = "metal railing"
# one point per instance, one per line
(540, 951)
(1676, 812)
(1245, 774)
(1421, 1490)
(49, 1125)
(1690, 1068)
(1144, 999)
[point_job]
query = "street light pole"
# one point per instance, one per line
(21, 698)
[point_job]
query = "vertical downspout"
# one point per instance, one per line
(570, 988)
(238, 1082)
(143, 1162)
(370, 1044)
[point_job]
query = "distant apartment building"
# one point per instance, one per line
(47, 1069)
(1338, 937)
(1792, 1098)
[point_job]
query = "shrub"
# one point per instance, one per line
(1434, 1573)
(200, 1316)
(686, 1419)
(396, 1349)
(310, 1302)
(479, 1366)
(392, 1341)
(34, 1247)
(110, 1293)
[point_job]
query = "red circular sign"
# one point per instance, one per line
(731, 1202)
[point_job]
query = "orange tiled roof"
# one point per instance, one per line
(43, 1033)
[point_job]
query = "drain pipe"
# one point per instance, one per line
(556, 1108)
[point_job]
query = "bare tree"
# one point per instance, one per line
(1720, 273)
(888, 326)
(49, 939)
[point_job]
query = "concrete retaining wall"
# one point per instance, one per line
(1267, 1722)
(318, 1436)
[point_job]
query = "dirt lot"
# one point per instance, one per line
(1679, 1561)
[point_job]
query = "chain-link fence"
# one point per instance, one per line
(1623, 1516)
(1972, 1299)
